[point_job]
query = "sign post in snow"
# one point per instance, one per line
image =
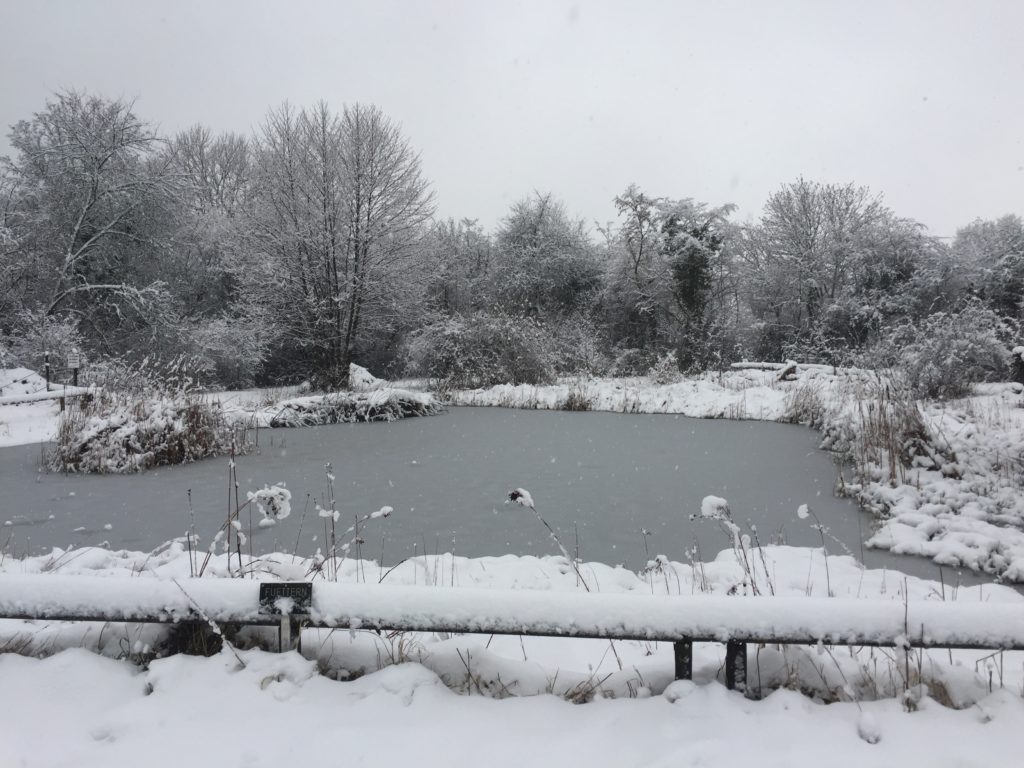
(287, 598)
(275, 597)
(74, 363)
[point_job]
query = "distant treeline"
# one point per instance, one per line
(288, 254)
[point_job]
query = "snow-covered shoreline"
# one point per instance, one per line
(961, 503)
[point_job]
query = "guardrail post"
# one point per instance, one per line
(736, 665)
(684, 659)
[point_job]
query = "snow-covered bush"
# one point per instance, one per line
(33, 334)
(665, 369)
(478, 351)
(943, 354)
(1016, 365)
(634, 362)
(232, 353)
(114, 433)
(574, 346)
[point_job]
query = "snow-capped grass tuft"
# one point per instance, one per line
(344, 407)
(522, 497)
(117, 433)
(578, 399)
(744, 546)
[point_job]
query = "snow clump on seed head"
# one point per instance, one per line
(274, 502)
(522, 497)
(715, 508)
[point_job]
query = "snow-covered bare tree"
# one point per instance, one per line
(340, 206)
(230, 339)
(12, 270)
(802, 257)
(459, 258)
(88, 213)
(215, 168)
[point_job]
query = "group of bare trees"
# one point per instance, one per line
(292, 245)
(339, 210)
(289, 253)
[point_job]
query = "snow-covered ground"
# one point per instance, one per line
(462, 700)
(28, 423)
(27, 413)
(77, 709)
(506, 700)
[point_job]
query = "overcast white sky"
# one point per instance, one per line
(922, 101)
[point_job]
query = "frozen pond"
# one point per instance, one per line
(603, 476)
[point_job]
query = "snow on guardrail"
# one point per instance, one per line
(798, 620)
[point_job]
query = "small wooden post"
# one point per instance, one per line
(684, 659)
(284, 634)
(736, 665)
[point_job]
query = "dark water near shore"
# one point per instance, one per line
(601, 476)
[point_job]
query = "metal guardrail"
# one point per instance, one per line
(681, 620)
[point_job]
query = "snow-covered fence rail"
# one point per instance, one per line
(681, 620)
(54, 393)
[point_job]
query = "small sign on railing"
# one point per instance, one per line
(286, 597)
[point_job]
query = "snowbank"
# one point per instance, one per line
(741, 394)
(28, 423)
(955, 709)
(256, 708)
(20, 381)
(28, 413)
